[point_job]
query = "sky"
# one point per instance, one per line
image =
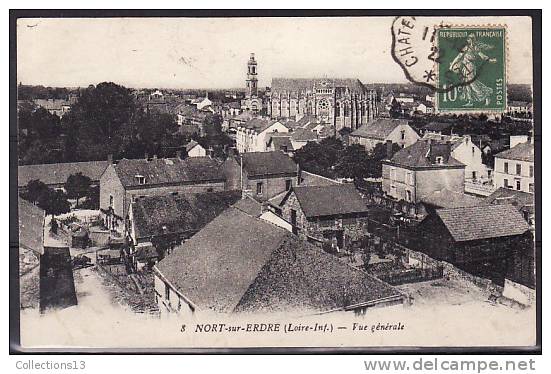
(213, 52)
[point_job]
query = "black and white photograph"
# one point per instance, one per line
(254, 180)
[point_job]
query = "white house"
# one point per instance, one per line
(465, 151)
(514, 168)
(252, 136)
(195, 149)
(383, 129)
(203, 103)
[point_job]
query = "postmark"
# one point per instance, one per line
(465, 66)
(471, 69)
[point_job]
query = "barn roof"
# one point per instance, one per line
(158, 215)
(482, 222)
(379, 128)
(318, 201)
(168, 171)
(238, 263)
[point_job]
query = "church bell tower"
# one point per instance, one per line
(252, 77)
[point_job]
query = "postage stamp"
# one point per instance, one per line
(471, 69)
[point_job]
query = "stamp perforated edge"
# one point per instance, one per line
(437, 110)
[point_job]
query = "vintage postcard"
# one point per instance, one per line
(346, 182)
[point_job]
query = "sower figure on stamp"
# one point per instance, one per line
(465, 64)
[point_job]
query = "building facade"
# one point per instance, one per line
(253, 135)
(338, 102)
(514, 168)
(128, 180)
(421, 169)
(382, 130)
(262, 175)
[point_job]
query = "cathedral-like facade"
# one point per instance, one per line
(338, 102)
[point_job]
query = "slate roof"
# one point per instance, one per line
(238, 263)
(307, 84)
(52, 174)
(520, 152)
(379, 128)
(258, 124)
(280, 142)
(319, 201)
(158, 215)
(31, 226)
(304, 135)
(168, 171)
(267, 163)
(249, 205)
(450, 199)
(311, 179)
(416, 156)
(192, 144)
(482, 222)
(503, 195)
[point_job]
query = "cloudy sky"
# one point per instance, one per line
(212, 53)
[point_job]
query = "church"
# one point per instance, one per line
(337, 102)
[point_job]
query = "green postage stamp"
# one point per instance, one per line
(471, 69)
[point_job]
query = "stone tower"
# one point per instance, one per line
(252, 77)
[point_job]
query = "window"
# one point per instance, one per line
(403, 134)
(518, 185)
(506, 183)
(392, 174)
(408, 195)
(531, 188)
(531, 170)
(519, 169)
(259, 188)
(167, 292)
(288, 184)
(409, 178)
(140, 179)
(506, 168)
(111, 200)
(474, 175)
(472, 149)
(439, 159)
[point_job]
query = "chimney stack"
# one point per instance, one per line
(389, 149)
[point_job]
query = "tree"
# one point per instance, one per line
(92, 198)
(55, 202)
(353, 163)
(378, 154)
(101, 122)
(320, 158)
(395, 109)
(77, 186)
(36, 189)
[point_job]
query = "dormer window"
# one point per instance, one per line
(140, 179)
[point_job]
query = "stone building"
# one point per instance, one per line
(421, 169)
(331, 213)
(128, 180)
(263, 175)
(339, 102)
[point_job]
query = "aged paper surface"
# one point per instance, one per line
(249, 249)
